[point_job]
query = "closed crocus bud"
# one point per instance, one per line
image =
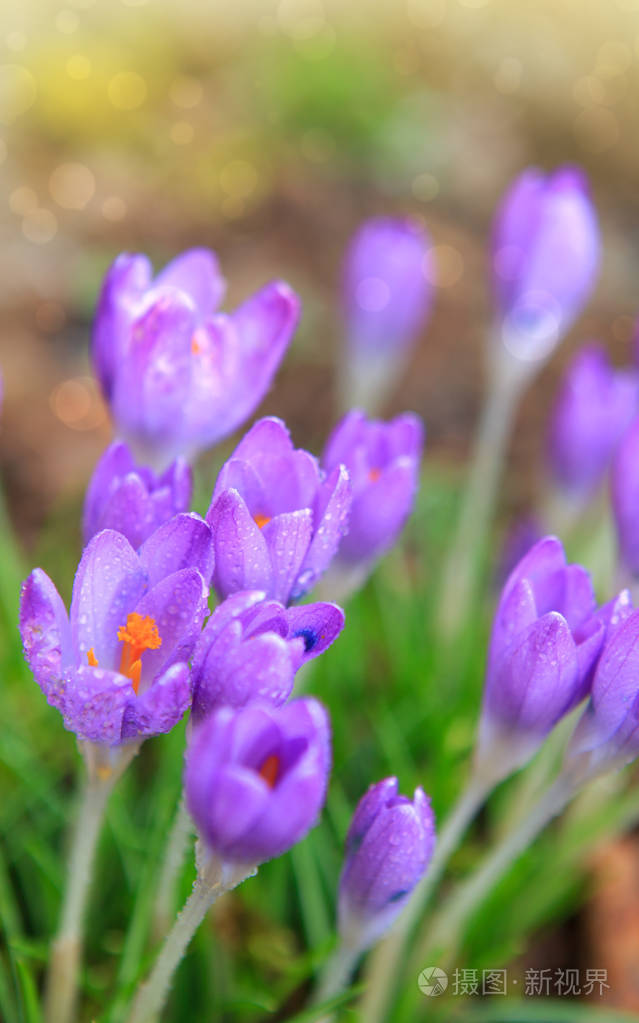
(607, 734)
(131, 498)
(251, 649)
(625, 498)
(545, 641)
(277, 519)
(388, 848)
(383, 464)
(545, 259)
(116, 667)
(179, 375)
(595, 406)
(255, 778)
(387, 292)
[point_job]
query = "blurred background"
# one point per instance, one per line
(267, 131)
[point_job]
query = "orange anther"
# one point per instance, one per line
(261, 520)
(270, 770)
(139, 634)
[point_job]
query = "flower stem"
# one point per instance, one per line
(337, 974)
(478, 503)
(456, 911)
(385, 962)
(175, 851)
(64, 963)
(212, 881)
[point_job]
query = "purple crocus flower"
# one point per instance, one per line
(607, 734)
(131, 498)
(255, 778)
(387, 293)
(595, 406)
(625, 498)
(116, 666)
(388, 848)
(383, 464)
(545, 641)
(545, 258)
(177, 374)
(251, 649)
(277, 519)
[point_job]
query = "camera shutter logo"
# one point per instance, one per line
(432, 981)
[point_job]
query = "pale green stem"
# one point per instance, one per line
(212, 881)
(386, 961)
(164, 909)
(478, 503)
(337, 974)
(465, 900)
(66, 950)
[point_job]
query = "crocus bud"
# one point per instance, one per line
(179, 375)
(625, 498)
(251, 649)
(277, 519)
(382, 460)
(131, 498)
(388, 848)
(545, 641)
(595, 406)
(545, 258)
(255, 778)
(607, 734)
(116, 667)
(387, 294)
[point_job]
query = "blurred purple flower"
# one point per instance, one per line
(383, 464)
(607, 734)
(277, 520)
(388, 849)
(595, 406)
(131, 498)
(387, 290)
(545, 259)
(116, 667)
(625, 498)
(251, 649)
(255, 778)
(178, 375)
(545, 641)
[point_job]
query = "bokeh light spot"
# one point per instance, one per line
(16, 41)
(23, 200)
(17, 91)
(182, 133)
(39, 226)
(72, 185)
(78, 67)
(77, 403)
(127, 90)
(239, 179)
(67, 22)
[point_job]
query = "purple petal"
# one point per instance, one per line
(93, 703)
(318, 625)
(242, 560)
(185, 541)
(178, 605)
(378, 513)
(287, 538)
(196, 272)
(330, 524)
(122, 290)
(157, 710)
(45, 630)
(108, 583)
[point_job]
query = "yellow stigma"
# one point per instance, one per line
(139, 634)
(270, 770)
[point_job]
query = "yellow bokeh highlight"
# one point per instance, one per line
(127, 90)
(72, 185)
(17, 91)
(78, 67)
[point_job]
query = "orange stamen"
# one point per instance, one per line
(198, 342)
(92, 660)
(261, 520)
(139, 634)
(270, 770)
(374, 475)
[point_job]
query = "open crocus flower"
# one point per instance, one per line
(546, 638)
(177, 374)
(255, 778)
(388, 848)
(594, 408)
(545, 258)
(131, 498)
(251, 649)
(383, 464)
(116, 666)
(277, 519)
